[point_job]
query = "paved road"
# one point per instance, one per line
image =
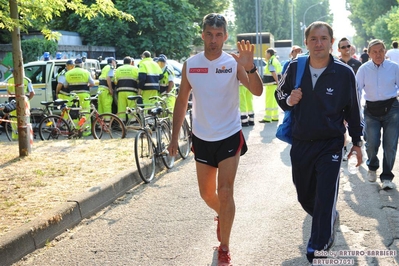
(166, 222)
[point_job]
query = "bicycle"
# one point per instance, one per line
(136, 116)
(38, 114)
(7, 119)
(147, 150)
(55, 126)
(184, 141)
(189, 125)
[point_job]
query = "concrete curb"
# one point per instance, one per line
(35, 234)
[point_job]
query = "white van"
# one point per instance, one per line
(43, 75)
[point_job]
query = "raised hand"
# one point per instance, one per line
(245, 55)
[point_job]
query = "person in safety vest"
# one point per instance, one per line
(61, 92)
(29, 93)
(166, 83)
(126, 81)
(79, 81)
(149, 76)
(105, 87)
(246, 107)
(271, 75)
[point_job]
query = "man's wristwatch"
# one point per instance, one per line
(252, 70)
(358, 143)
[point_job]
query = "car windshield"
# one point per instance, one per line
(36, 74)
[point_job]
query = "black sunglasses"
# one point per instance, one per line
(346, 46)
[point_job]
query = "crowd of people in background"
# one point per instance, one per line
(152, 77)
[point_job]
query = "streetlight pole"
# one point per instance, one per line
(303, 26)
(306, 11)
(322, 17)
(258, 30)
(292, 22)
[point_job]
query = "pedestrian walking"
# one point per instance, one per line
(344, 47)
(214, 76)
(295, 51)
(126, 81)
(325, 98)
(393, 54)
(364, 57)
(378, 80)
(271, 75)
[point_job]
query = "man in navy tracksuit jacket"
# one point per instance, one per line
(326, 97)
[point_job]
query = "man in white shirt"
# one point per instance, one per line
(378, 80)
(393, 54)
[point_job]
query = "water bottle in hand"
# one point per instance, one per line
(352, 162)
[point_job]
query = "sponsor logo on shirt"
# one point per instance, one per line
(330, 91)
(224, 70)
(198, 70)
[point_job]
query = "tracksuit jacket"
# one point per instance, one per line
(320, 113)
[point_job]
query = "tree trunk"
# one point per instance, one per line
(24, 138)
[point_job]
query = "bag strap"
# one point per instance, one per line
(300, 69)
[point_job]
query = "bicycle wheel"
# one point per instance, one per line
(11, 127)
(144, 155)
(54, 127)
(166, 137)
(108, 126)
(184, 140)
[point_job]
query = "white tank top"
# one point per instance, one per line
(216, 114)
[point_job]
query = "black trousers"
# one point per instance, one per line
(315, 170)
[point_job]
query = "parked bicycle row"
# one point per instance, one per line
(71, 123)
(152, 126)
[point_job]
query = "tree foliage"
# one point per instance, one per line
(272, 17)
(276, 16)
(204, 7)
(166, 26)
(36, 46)
(162, 27)
(392, 22)
(41, 12)
(373, 19)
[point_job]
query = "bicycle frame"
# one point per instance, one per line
(137, 114)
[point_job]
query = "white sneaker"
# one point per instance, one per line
(387, 184)
(372, 176)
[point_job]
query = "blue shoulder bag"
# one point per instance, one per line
(284, 130)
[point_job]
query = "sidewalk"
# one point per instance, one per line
(37, 233)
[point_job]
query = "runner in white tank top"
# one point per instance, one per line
(216, 114)
(213, 77)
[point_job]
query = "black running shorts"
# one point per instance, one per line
(213, 152)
